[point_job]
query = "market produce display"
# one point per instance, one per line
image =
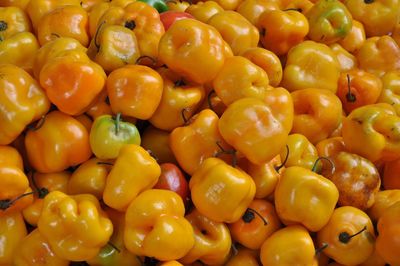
(187, 132)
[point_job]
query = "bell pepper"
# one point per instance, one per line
(312, 201)
(34, 250)
(58, 142)
(391, 90)
(36, 9)
(258, 223)
(281, 30)
(133, 172)
(67, 21)
(212, 241)
(244, 256)
(299, 152)
(23, 102)
(171, 263)
(99, 108)
(356, 178)
(135, 90)
(349, 231)
(347, 61)
(75, 226)
(115, 252)
(157, 141)
(250, 123)
(109, 134)
(13, 20)
(373, 132)
(12, 232)
(10, 157)
(357, 88)
(203, 11)
(169, 17)
(204, 50)
(142, 19)
(113, 47)
(317, 113)
(240, 78)
(354, 38)
(387, 242)
(178, 6)
(18, 3)
(311, 65)
(379, 55)
(236, 30)
(330, 147)
(156, 227)
(89, 4)
(390, 175)
(330, 21)
(53, 49)
(221, 192)
(383, 200)
(265, 176)
(396, 34)
(42, 185)
(179, 101)
(291, 245)
(160, 5)
(302, 6)
(252, 9)
(375, 259)
(378, 16)
(89, 178)
(72, 82)
(268, 61)
(229, 4)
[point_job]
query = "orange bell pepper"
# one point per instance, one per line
(13, 231)
(252, 9)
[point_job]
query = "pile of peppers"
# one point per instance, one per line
(225, 132)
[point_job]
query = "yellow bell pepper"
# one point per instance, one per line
(9, 156)
(34, 250)
(12, 232)
(221, 192)
(75, 226)
(346, 60)
(133, 172)
(312, 198)
(383, 200)
(311, 65)
(373, 131)
(355, 38)
(391, 90)
(156, 227)
(252, 9)
(299, 152)
(212, 241)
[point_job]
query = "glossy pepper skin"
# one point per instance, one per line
(251, 123)
(160, 5)
(12, 231)
(133, 172)
(9, 156)
(60, 142)
(357, 88)
(75, 226)
(72, 82)
(251, 230)
(202, 135)
(156, 227)
(379, 126)
(317, 113)
(281, 30)
(253, 9)
(383, 200)
(338, 234)
(13, 20)
(142, 19)
(194, 49)
(378, 17)
(313, 198)
(225, 203)
(390, 178)
(291, 245)
(330, 147)
(244, 256)
(347, 61)
(108, 134)
(354, 38)
(304, 61)
(36, 251)
(203, 11)
(212, 241)
(379, 55)
(330, 21)
(387, 242)
(299, 152)
(135, 91)
(240, 78)
(236, 30)
(391, 90)
(157, 141)
(23, 102)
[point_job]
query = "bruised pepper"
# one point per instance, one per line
(156, 227)
(75, 226)
(133, 172)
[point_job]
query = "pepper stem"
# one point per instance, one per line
(212, 92)
(184, 118)
(249, 216)
(345, 238)
(117, 123)
(277, 168)
(140, 58)
(350, 97)
(3, 25)
(314, 168)
(223, 151)
(113, 246)
(42, 192)
(319, 250)
(7, 203)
